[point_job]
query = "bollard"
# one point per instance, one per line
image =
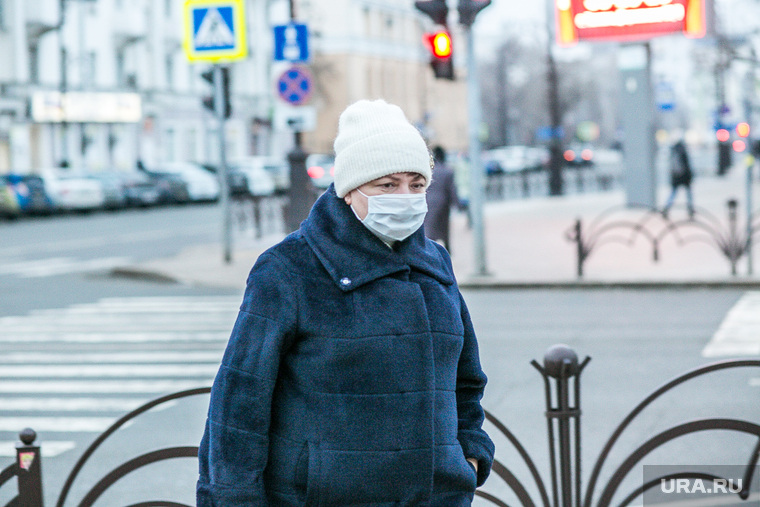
(301, 191)
(29, 474)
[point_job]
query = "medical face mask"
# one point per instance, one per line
(394, 217)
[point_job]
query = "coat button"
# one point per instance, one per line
(345, 282)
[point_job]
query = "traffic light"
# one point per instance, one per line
(209, 100)
(468, 9)
(436, 9)
(441, 61)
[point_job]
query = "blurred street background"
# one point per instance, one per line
(151, 150)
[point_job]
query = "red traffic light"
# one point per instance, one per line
(723, 135)
(742, 129)
(440, 44)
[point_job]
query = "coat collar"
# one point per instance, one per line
(353, 256)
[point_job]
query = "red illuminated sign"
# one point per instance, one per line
(627, 20)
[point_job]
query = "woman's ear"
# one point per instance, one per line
(347, 198)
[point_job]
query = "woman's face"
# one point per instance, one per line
(398, 183)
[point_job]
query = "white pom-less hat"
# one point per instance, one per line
(374, 140)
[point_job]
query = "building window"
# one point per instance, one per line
(367, 18)
(89, 69)
(169, 144)
(34, 56)
(168, 8)
(2, 14)
(169, 63)
(121, 78)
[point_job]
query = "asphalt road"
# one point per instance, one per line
(80, 348)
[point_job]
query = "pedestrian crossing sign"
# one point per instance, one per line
(215, 30)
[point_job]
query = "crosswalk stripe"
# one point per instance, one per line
(739, 333)
(69, 404)
(48, 448)
(57, 424)
(115, 337)
(111, 357)
(98, 386)
(96, 370)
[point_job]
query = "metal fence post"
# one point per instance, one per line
(29, 463)
(561, 364)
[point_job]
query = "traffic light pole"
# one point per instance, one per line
(219, 110)
(477, 187)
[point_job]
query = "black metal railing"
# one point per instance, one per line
(628, 224)
(535, 182)
(140, 461)
(561, 371)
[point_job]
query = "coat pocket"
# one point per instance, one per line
(287, 471)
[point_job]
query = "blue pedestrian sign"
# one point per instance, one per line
(215, 30)
(295, 85)
(291, 43)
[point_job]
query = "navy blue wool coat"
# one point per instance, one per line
(351, 377)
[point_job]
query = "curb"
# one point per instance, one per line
(142, 275)
(609, 284)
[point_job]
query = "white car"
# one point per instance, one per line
(515, 159)
(259, 181)
(202, 186)
(70, 190)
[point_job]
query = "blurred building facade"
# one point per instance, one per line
(132, 95)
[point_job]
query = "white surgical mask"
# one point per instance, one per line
(394, 217)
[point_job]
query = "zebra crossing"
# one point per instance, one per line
(739, 333)
(76, 370)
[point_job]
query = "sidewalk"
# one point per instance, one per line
(526, 245)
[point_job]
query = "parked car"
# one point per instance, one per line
(201, 186)
(579, 156)
(9, 207)
(277, 168)
(172, 189)
(29, 189)
(321, 169)
(113, 190)
(236, 181)
(139, 190)
(258, 181)
(515, 159)
(73, 191)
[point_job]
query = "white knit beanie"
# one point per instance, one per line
(374, 140)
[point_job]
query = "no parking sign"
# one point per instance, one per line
(295, 85)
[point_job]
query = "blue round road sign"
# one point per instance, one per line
(294, 85)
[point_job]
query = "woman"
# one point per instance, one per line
(352, 374)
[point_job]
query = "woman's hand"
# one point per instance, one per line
(474, 463)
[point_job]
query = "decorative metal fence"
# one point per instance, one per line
(627, 225)
(561, 372)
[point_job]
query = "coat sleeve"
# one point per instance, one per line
(471, 381)
(235, 446)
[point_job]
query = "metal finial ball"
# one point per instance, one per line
(558, 355)
(27, 436)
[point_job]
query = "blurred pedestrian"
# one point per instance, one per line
(352, 374)
(441, 197)
(680, 176)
